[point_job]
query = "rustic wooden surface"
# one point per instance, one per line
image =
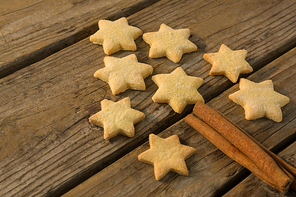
(210, 171)
(34, 29)
(47, 144)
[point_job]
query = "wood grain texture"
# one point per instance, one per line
(32, 30)
(258, 27)
(209, 169)
(47, 144)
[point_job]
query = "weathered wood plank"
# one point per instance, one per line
(209, 169)
(252, 186)
(258, 27)
(47, 144)
(32, 30)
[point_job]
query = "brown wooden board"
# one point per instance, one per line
(48, 146)
(34, 29)
(210, 171)
(252, 186)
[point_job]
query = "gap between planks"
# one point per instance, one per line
(98, 166)
(235, 180)
(279, 54)
(37, 55)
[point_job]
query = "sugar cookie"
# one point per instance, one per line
(117, 118)
(124, 73)
(169, 42)
(167, 155)
(259, 100)
(116, 35)
(177, 89)
(228, 62)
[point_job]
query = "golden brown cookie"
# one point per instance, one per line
(117, 118)
(259, 100)
(167, 155)
(169, 42)
(116, 35)
(228, 62)
(177, 89)
(124, 73)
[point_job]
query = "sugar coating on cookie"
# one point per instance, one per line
(177, 89)
(116, 35)
(228, 62)
(117, 118)
(259, 100)
(124, 73)
(169, 42)
(167, 155)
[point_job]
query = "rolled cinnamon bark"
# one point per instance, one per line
(226, 147)
(277, 177)
(284, 165)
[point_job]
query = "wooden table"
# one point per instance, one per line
(48, 92)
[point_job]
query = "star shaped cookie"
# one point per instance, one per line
(117, 118)
(259, 100)
(167, 155)
(116, 35)
(228, 62)
(169, 42)
(124, 73)
(177, 89)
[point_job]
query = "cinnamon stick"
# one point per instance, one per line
(277, 159)
(269, 170)
(226, 147)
